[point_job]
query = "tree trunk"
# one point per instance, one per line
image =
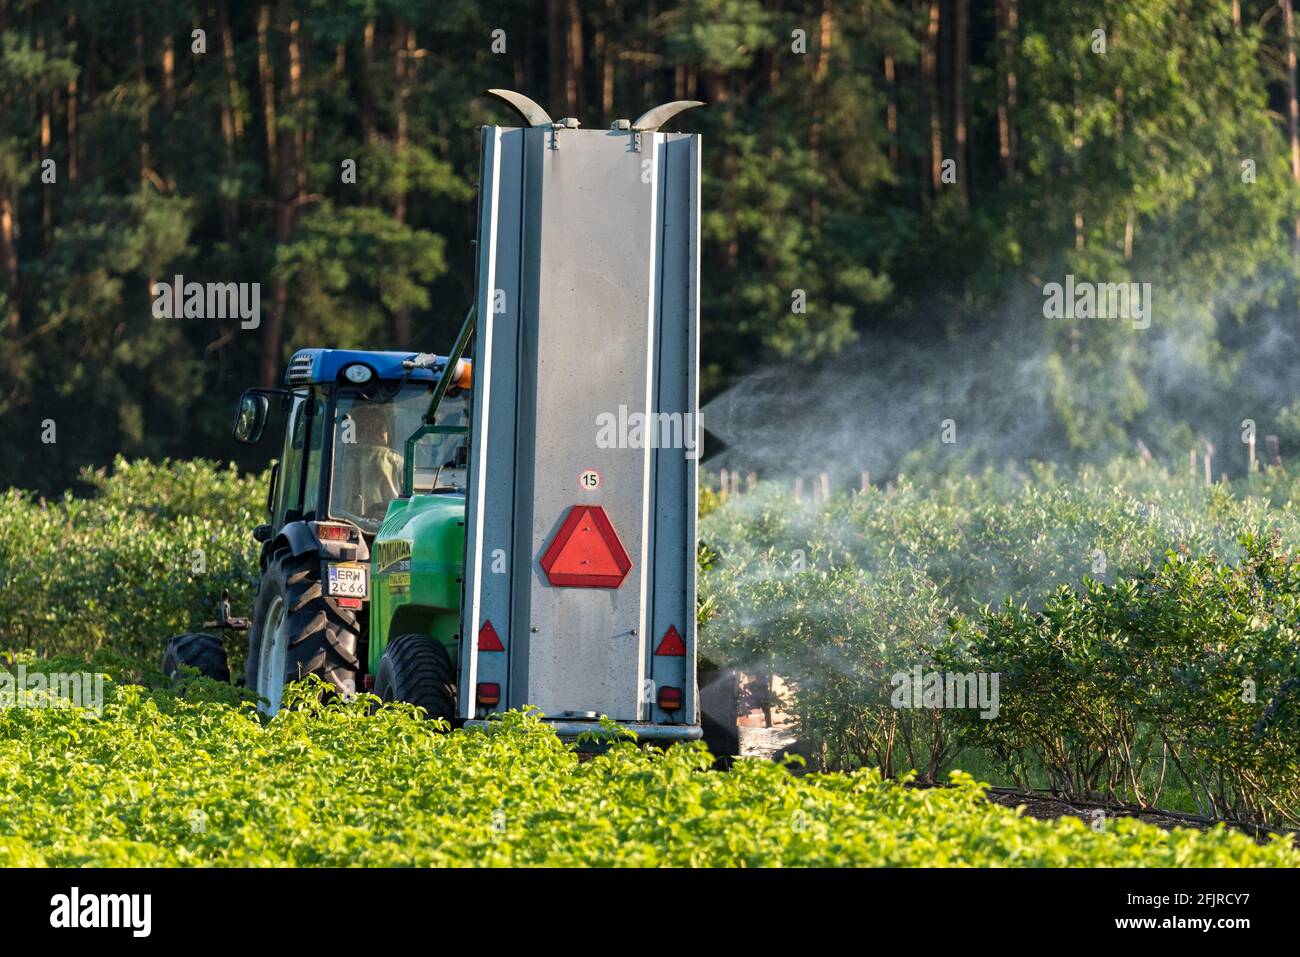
(72, 112)
(47, 194)
(9, 255)
(555, 47)
(228, 62)
(141, 80)
(367, 84)
(266, 81)
(648, 76)
(891, 110)
(821, 70)
(279, 178)
(1006, 31)
(1074, 162)
(168, 105)
(1292, 107)
(607, 61)
(299, 159)
(89, 163)
(960, 66)
(404, 66)
(231, 124)
(575, 87)
(8, 225)
(930, 81)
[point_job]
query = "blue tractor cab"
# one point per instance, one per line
(356, 437)
(321, 366)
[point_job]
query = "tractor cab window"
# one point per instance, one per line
(441, 458)
(292, 494)
(370, 434)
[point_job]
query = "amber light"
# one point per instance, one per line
(463, 375)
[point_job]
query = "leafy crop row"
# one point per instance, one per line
(1143, 627)
(1124, 670)
(199, 780)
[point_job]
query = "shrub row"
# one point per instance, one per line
(144, 557)
(1124, 671)
(1187, 673)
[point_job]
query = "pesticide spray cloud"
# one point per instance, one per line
(1042, 389)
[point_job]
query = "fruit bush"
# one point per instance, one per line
(144, 557)
(198, 779)
(837, 597)
(1194, 666)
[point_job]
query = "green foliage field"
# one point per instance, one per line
(196, 780)
(146, 556)
(1123, 682)
(1144, 628)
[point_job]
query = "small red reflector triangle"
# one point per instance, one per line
(672, 644)
(586, 552)
(488, 639)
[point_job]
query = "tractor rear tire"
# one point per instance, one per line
(298, 630)
(417, 669)
(203, 652)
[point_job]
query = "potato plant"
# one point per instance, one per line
(197, 778)
(1126, 609)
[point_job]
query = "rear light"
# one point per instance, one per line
(368, 683)
(348, 602)
(489, 694)
(670, 699)
(334, 533)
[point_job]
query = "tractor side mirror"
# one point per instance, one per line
(251, 418)
(262, 533)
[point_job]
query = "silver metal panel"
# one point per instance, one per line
(675, 491)
(489, 513)
(593, 235)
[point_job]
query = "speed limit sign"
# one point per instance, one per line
(589, 480)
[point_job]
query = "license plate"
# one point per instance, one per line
(348, 580)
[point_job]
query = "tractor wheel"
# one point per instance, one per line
(417, 669)
(298, 630)
(203, 652)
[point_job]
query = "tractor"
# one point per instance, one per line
(482, 531)
(347, 415)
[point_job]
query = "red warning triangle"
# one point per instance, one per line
(488, 639)
(672, 645)
(586, 552)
